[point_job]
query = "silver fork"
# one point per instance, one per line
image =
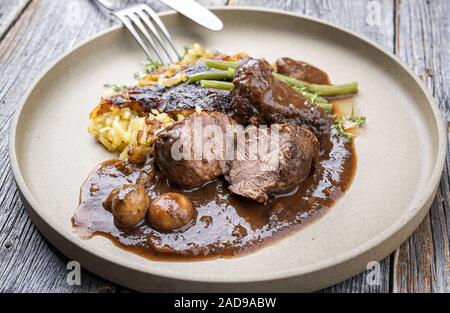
(146, 26)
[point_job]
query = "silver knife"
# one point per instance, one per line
(196, 12)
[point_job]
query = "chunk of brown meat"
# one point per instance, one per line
(259, 98)
(288, 160)
(301, 71)
(191, 152)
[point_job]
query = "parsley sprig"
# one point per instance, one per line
(314, 98)
(116, 88)
(344, 125)
(151, 65)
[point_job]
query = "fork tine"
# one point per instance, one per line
(137, 21)
(163, 29)
(134, 33)
(146, 20)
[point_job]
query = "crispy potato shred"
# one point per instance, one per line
(130, 131)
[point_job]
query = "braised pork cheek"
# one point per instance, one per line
(284, 162)
(301, 71)
(176, 154)
(259, 98)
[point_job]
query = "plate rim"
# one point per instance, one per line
(414, 210)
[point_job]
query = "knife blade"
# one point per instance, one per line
(196, 12)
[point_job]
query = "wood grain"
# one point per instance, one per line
(34, 32)
(422, 264)
(10, 12)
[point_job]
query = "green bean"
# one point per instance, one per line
(221, 65)
(212, 75)
(322, 90)
(334, 90)
(328, 107)
(215, 84)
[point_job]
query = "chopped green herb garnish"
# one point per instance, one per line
(137, 76)
(186, 50)
(342, 125)
(314, 98)
(322, 90)
(115, 87)
(152, 65)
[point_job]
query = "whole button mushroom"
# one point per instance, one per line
(128, 204)
(170, 212)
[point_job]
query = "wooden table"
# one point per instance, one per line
(34, 32)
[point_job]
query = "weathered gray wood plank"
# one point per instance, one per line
(380, 30)
(10, 11)
(422, 41)
(422, 264)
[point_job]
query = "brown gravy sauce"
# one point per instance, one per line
(225, 224)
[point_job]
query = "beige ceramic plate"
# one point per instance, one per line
(400, 156)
